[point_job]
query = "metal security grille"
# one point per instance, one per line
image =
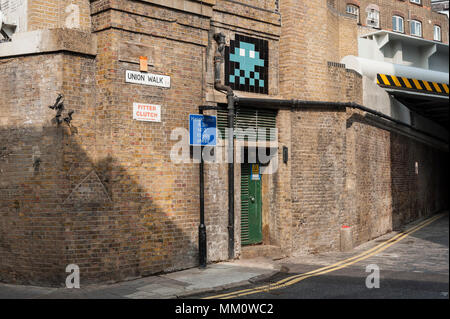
(248, 118)
(245, 178)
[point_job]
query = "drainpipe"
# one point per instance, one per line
(218, 60)
(202, 252)
(297, 104)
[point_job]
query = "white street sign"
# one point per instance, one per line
(147, 78)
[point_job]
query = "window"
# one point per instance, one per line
(397, 24)
(416, 1)
(352, 9)
(373, 18)
(437, 33)
(416, 28)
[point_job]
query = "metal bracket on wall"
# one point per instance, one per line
(68, 118)
(59, 107)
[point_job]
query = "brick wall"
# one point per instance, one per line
(384, 191)
(103, 192)
(317, 179)
(342, 36)
(350, 168)
(36, 164)
(164, 196)
(369, 179)
(51, 14)
(304, 67)
(29, 168)
(421, 192)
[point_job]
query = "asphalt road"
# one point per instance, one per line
(415, 267)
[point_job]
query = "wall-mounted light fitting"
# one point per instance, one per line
(285, 154)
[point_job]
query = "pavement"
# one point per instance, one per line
(180, 284)
(415, 267)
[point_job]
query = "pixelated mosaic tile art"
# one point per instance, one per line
(246, 64)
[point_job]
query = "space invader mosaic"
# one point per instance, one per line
(247, 64)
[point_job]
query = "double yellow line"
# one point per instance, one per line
(339, 265)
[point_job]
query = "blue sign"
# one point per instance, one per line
(202, 130)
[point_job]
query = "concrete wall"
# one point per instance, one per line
(15, 12)
(379, 100)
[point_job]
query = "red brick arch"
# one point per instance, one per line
(417, 18)
(354, 2)
(398, 13)
(373, 6)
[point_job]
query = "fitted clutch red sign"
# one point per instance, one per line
(147, 112)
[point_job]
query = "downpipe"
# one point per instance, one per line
(299, 104)
(202, 247)
(218, 61)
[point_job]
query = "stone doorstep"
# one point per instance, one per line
(254, 251)
(221, 288)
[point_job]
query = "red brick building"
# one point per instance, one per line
(410, 17)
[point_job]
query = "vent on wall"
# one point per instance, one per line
(246, 118)
(245, 227)
(336, 64)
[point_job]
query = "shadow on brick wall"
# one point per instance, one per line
(420, 179)
(390, 191)
(58, 206)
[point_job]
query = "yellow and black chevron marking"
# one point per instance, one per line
(423, 86)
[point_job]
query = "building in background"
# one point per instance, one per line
(400, 45)
(409, 17)
(85, 180)
(440, 6)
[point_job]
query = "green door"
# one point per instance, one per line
(251, 208)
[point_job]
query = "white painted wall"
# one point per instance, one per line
(15, 12)
(370, 68)
(391, 47)
(378, 99)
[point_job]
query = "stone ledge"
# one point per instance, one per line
(193, 6)
(52, 40)
(199, 7)
(245, 11)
